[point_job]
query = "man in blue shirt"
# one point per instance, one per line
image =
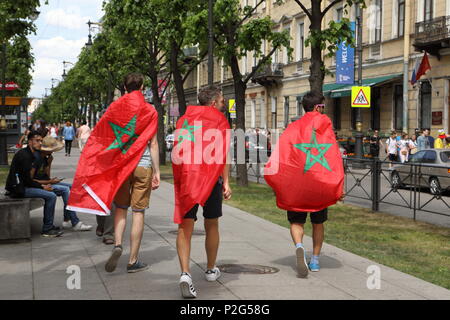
(68, 134)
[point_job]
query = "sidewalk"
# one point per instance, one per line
(37, 269)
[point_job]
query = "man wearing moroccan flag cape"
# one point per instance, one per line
(306, 172)
(200, 176)
(117, 164)
(112, 153)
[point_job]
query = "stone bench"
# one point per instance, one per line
(15, 216)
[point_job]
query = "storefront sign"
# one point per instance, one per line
(436, 118)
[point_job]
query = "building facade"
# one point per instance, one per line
(273, 104)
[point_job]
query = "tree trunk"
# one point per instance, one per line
(317, 72)
(239, 92)
(160, 109)
(177, 77)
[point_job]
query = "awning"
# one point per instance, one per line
(346, 90)
(326, 89)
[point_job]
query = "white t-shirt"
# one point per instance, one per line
(53, 132)
(392, 145)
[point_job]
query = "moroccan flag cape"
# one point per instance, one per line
(202, 140)
(112, 153)
(306, 170)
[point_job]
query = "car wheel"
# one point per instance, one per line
(435, 186)
(396, 181)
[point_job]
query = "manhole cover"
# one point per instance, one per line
(247, 268)
(194, 233)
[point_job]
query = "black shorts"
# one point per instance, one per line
(392, 157)
(213, 206)
(318, 217)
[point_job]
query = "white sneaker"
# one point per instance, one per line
(212, 274)
(80, 226)
(187, 287)
(66, 225)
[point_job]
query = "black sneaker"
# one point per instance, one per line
(136, 267)
(111, 264)
(52, 233)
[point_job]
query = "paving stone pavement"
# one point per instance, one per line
(37, 269)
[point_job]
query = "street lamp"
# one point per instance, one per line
(90, 24)
(64, 75)
(359, 135)
(210, 43)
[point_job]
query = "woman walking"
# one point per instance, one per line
(405, 144)
(68, 134)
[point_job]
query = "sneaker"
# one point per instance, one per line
(111, 264)
(186, 286)
(302, 267)
(66, 225)
(314, 267)
(52, 233)
(80, 226)
(136, 267)
(212, 274)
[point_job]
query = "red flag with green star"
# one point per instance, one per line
(112, 152)
(202, 140)
(306, 170)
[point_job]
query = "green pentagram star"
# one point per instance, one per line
(311, 159)
(119, 132)
(189, 135)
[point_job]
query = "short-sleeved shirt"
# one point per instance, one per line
(392, 145)
(84, 132)
(146, 159)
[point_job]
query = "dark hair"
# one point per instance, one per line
(133, 81)
(310, 100)
(32, 134)
(84, 122)
(208, 94)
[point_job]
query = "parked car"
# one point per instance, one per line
(170, 138)
(435, 171)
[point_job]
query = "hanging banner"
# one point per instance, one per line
(345, 61)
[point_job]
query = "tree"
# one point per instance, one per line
(136, 28)
(20, 62)
(183, 30)
(326, 39)
(236, 34)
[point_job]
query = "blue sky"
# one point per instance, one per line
(62, 32)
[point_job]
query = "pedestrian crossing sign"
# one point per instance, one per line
(360, 97)
(232, 108)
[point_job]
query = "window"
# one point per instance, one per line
(286, 58)
(398, 107)
(445, 156)
(301, 41)
(339, 14)
(299, 106)
(429, 157)
(274, 112)
(375, 109)
(337, 114)
(378, 20)
(401, 18)
(425, 105)
(428, 10)
(286, 111)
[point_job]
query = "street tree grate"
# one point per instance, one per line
(247, 268)
(194, 233)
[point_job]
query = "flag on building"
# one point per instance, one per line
(420, 68)
(202, 140)
(112, 152)
(306, 169)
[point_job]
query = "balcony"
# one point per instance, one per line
(269, 75)
(433, 35)
(190, 53)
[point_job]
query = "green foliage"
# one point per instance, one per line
(20, 61)
(15, 17)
